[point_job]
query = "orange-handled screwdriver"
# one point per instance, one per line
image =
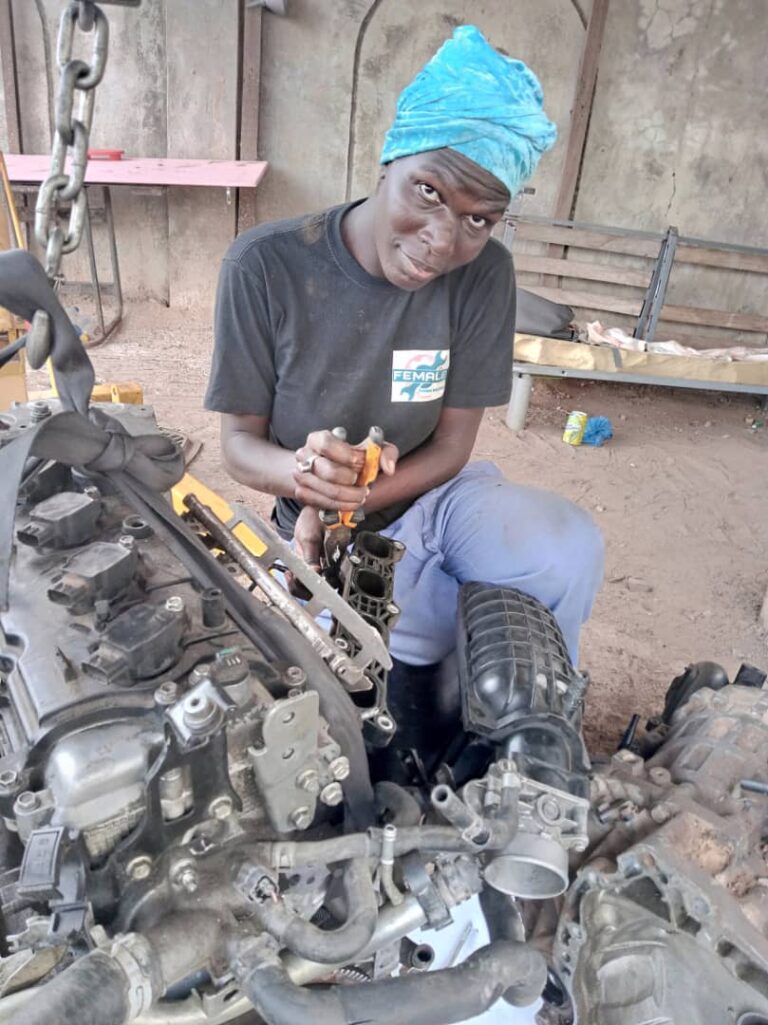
(339, 525)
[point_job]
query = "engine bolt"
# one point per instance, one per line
(185, 878)
(308, 780)
(301, 817)
(7, 778)
(549, 809)
(700, 907)
(392, 609)
(627, 811)
(174, 604)
(625, 755)
(339, 767)
(295, 676)
(27, 801)
(580, 845)
(167, 693)
(355, 560)
(126, 541)
(139, 867)
(332, 795)
(220, 807)
(385, 723)
(39, 410)
(199, 712)
(661, 813)
(198, 674)
(659, 775)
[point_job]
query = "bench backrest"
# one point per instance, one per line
(605, 273)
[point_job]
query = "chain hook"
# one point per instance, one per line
(62, 194)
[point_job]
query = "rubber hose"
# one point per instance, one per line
(359, 845)
(92, 991)
(502, 916)
(328, 946)
(507, 969)
(402, 805)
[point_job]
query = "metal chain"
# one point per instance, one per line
(62, 192)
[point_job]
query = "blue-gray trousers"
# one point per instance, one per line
(479, 526)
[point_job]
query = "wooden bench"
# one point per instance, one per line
(597, 270)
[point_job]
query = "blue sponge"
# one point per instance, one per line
(598, 430)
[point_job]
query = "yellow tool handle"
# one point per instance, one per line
(370, 471)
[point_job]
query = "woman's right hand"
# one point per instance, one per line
(332, 467)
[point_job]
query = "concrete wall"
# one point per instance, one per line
(332, 72)
(676, 136)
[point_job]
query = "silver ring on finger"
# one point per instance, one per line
(305, 465)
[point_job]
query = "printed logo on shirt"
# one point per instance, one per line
(419, 375)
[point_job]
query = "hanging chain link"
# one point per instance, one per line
(63, 191)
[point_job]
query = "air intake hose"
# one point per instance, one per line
(518, 687)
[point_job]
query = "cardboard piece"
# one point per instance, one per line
(13, 385)
(552, 352)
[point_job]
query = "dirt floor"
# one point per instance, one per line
(681, 494)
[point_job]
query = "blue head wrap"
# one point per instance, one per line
(472, 99)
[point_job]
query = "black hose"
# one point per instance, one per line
(402, 806)
(92, 991)
(502, 916)
(451, 995)
(359, 845)
(328, 946)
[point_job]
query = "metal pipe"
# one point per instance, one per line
(628, 736)
(340, 663)
(391, 892)
(469, 824)
(517, 410)
(754, 786)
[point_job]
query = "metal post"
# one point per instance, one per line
(117, 283)
(92, 264)
(517, 410)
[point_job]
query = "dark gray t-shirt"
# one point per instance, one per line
(305, 336)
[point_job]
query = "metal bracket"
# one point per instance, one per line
(372, 648)
(657, 289)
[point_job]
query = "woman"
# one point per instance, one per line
(399, 311)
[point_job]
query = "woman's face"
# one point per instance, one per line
(434, 212)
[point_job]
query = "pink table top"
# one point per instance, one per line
(236, 174)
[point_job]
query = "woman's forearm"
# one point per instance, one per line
(431, 465)
(259, 463)
(329, 467)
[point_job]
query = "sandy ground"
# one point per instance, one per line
(681, 494)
